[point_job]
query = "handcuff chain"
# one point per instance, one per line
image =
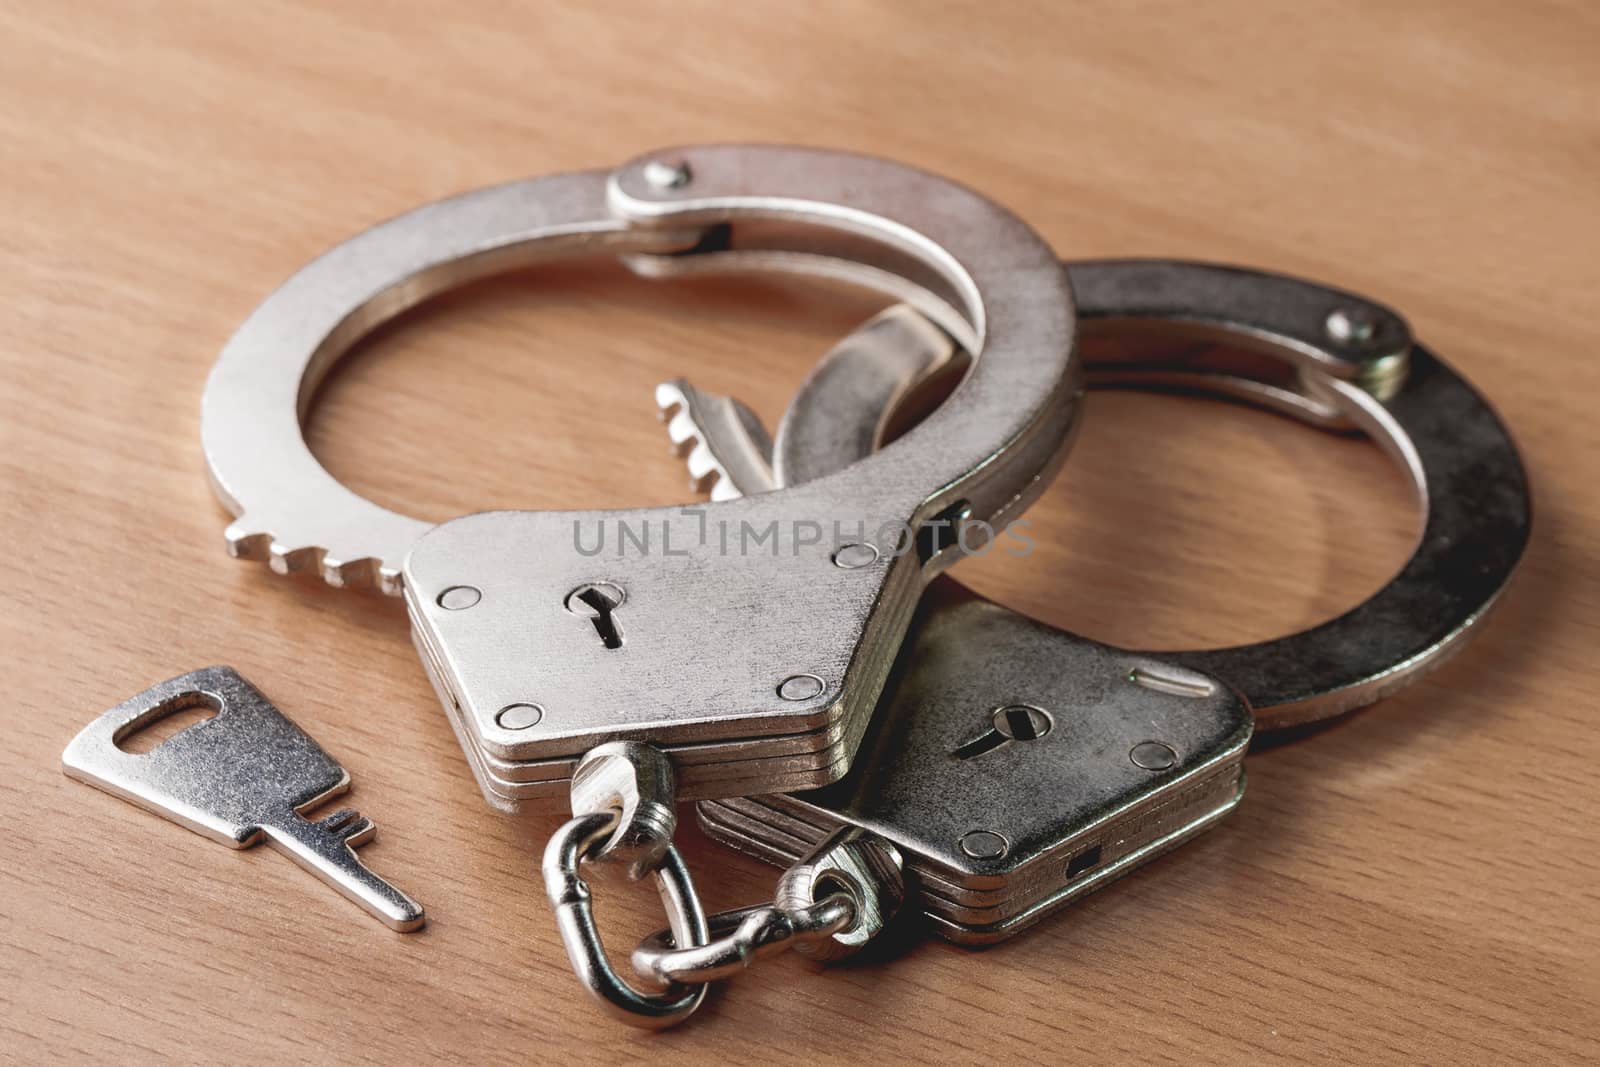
(829, 905)
(741, 936)
(583, 837)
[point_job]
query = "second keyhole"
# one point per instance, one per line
(598, 602)
(1021, 722)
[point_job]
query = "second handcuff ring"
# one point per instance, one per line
(992, 847)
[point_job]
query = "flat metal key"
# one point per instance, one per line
(240, 776)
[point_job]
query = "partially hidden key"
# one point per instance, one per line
(240, 776)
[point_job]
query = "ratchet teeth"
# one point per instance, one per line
(245, 543)
(285, 560)
(724, 446)
(365, 572)
(688, 440)
(349, 574)
(336, 572)
(674, 408)
(705, 474)
(724, 489)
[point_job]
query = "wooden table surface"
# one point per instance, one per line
(1417, 883)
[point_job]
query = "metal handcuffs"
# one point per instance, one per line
(832, 628)
(1476, 515)
(1353, 366)
(748, 674)
(981, 456)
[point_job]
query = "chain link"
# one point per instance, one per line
(583, 837)
(740, 937)
(828, 905)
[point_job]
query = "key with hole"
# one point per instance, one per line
(240, 776)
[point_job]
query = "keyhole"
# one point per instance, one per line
(1014, 722)
(598, 602)
(1020, 722)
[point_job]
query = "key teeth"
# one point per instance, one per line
(349, 824)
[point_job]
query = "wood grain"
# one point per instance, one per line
(1417, 883)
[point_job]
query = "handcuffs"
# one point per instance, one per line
(1157, 741)
(634, 680)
